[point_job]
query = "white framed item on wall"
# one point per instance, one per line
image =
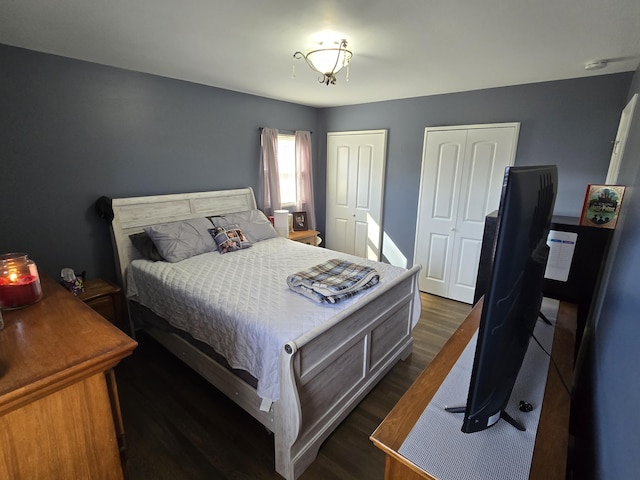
(601, 206)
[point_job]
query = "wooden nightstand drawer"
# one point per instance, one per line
(105, 307)
(304, 236)
(104, 297)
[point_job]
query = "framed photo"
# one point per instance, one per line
(300, 221)
(601, 206)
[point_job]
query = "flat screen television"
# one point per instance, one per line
(513, 296)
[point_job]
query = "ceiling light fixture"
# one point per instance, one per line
(328, 61)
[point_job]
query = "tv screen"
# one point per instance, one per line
(513, 297)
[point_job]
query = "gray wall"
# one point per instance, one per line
(568, 123)
(72, 131)
(612, 372)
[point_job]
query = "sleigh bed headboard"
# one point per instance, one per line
(131, 215)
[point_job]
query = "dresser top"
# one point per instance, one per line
(53, 343)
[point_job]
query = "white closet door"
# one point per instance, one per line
(443, 159)
(461, 182)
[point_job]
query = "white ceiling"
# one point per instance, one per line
(401, 49)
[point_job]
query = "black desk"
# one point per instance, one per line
(589, 258)
(590, 255)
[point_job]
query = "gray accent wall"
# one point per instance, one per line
(72, 131)
(569, 123)
(610, 374)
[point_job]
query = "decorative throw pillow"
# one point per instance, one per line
(229, 238)
(255, 225)
(179, 240)
(145, 246)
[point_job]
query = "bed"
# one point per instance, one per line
(324, 358)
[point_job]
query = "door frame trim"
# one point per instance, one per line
(624, 126)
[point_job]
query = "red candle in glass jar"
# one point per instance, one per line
(19, 281)
(24, 291)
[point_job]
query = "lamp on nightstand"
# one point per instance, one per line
(281, 222)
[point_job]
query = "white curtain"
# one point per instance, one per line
(304, 177)
(270, 178)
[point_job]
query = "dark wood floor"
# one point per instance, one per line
(179, 427)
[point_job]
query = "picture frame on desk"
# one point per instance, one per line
(300, 221)
(601, 206)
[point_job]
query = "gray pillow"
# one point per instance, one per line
(255, 225)
(145, 246)
(176, 241)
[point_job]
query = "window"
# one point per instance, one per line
(286, 162)
(287, 170)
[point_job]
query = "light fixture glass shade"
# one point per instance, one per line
(327, 61)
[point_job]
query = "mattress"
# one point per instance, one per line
(239, 302)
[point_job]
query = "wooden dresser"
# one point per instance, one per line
(59, 409)
(550, 451)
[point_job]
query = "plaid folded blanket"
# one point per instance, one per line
(333, 280)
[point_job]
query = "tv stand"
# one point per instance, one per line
(550, 451)
(456, 409)
(512, 421)
(503, 415)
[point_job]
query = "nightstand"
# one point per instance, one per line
(304, 236)
(104, 297)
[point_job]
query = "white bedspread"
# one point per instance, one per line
(239, 302)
